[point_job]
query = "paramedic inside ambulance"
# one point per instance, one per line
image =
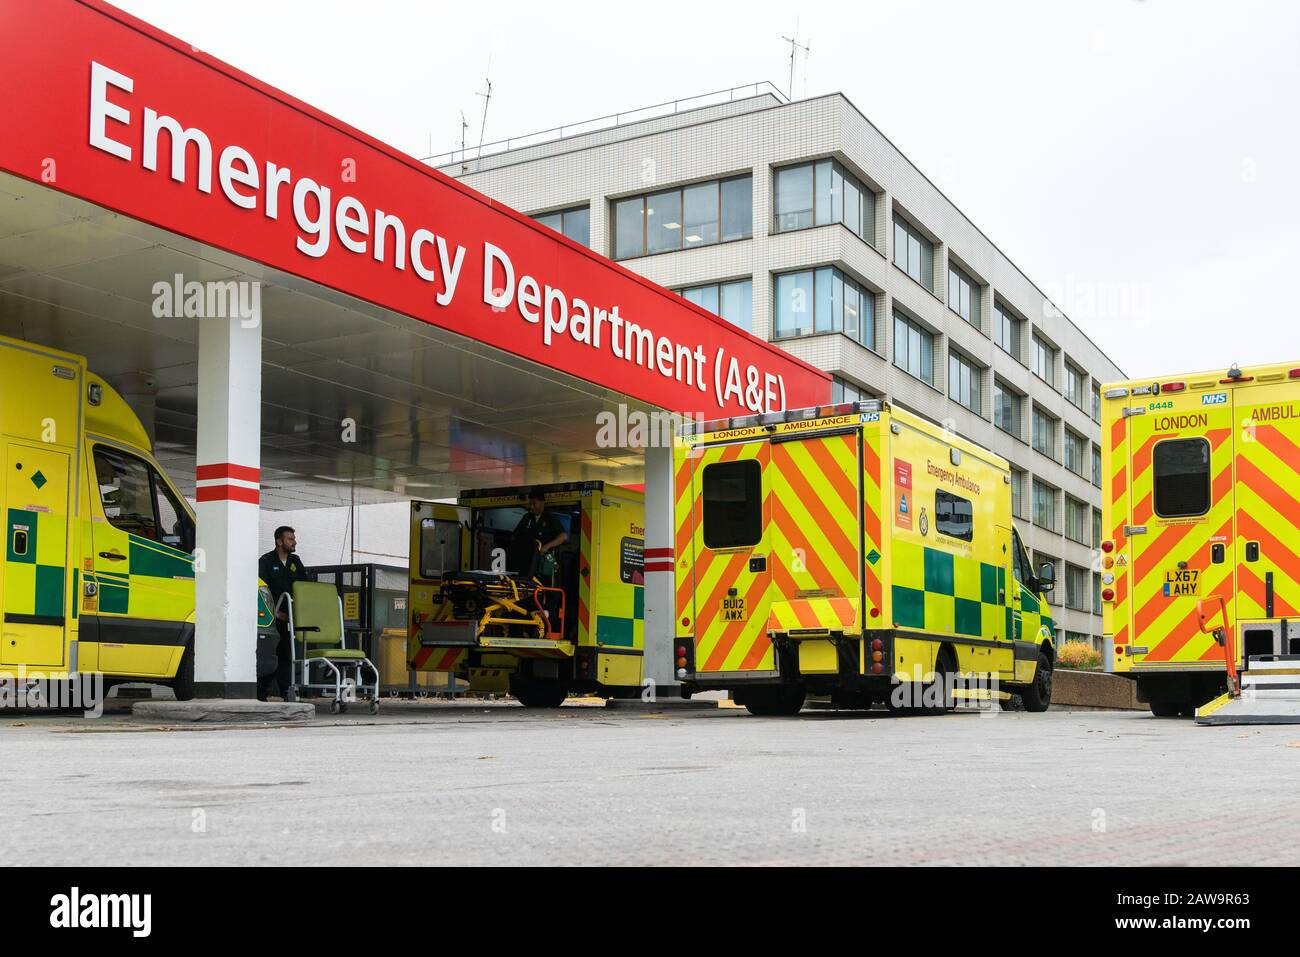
(538, 533)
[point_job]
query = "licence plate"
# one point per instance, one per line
(1182, 583)
(733, 609)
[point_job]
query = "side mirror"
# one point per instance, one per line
(1046, 577)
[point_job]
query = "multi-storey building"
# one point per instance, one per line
(802, 223)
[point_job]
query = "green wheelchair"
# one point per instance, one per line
(320, 660)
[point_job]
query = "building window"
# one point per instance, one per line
(963, 295)
(913, 348)
(1076, 450)
(1182, 477)
(699, 215)
(1096, 593)
(821, 193)
(1044, 435)
(824, 300)
(733, 301)
(844, 391)
(1006, 330)
(1076, 520)
(1006, 409)
(1017, 493)
(1096, 528)
(574, 223)
(963, 381)
(1075, 387)
(1076, 588)
(913, 253)
(1043, 358)
(1044, 506)
(1096, 465)
(1096, 403)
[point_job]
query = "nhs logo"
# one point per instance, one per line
(1214, 398)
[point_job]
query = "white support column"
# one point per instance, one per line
(229, 472)
(660, 603)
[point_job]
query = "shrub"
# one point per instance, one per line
(1078, 654)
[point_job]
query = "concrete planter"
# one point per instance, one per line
(1093, 691)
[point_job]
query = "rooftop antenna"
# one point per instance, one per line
(795, 46)
(487, 99)
(464, 128)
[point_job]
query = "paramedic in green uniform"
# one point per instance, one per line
(280, 568)
(540, 526)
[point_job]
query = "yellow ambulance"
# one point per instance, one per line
(589, 638)
(98, 573)
(1200, 500)
(854, 551)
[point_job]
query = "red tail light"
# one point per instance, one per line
(1294, 374)
(1173, 387)
(877, 644)
(1108, 546)
(1108, 594)
(681, 650)
(877, 668)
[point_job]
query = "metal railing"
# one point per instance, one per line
(608, 122)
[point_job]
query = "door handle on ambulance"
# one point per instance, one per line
(113, 556)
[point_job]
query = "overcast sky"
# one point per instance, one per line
(1138, 159)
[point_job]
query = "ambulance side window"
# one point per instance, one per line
(173, 522)
(125, 492)
(1019, 561)
(439, 547)
(1182, 477)
(733, 504)
(953, 516)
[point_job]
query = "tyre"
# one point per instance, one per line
(939, 691)
(539, 694)
(780, 702)
(1165, 709)
(1037, 697)
(183, 684)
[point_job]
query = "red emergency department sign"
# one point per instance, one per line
(106, 108)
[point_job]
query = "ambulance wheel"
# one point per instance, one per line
(539, 694)
(374, 706)
(941, 688)
(1037, 697)
(336, 706)
(1166, 709)
(183, 683)
(783, 701)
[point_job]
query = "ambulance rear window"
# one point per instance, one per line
(733, 504)
(439, 547)
(953, 515)
(1182, 477)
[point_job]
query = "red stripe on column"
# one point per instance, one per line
(658, 567)
(227, 493)
(228, 470)
(658, 553)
